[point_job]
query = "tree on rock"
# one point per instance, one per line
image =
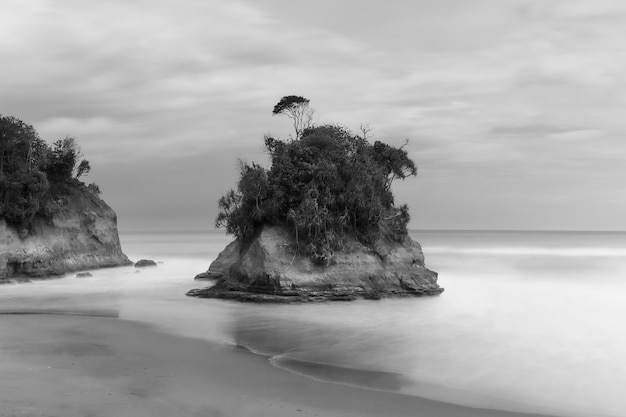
(325, 186)
(297, 109)
(16, 142)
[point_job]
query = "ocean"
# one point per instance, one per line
(529, 321)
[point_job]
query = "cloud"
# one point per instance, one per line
(512, 90)
(529, 129)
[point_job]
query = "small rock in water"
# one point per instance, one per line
(84, 275)
(145, 262)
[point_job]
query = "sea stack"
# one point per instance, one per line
(51, 222)
(321, 222)
(268, 270)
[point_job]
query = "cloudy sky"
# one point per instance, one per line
(515, 109)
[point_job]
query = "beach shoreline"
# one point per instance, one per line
(74, 365)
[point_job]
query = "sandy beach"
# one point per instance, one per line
(70, 365)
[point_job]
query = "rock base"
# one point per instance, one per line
(306, 296)
(267, 270)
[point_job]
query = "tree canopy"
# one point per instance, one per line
(33, 174)
(326, 186)
(297, 109)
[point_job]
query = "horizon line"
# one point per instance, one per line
(213, 230)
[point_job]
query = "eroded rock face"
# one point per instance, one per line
(267, 269)
(81, 235)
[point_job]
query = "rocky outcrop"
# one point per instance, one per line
(142, 263)
(267, 269)
(82, 234)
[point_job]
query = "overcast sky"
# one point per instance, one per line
(515, 109)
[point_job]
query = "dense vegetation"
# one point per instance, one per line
(326, 185)
(34, 175)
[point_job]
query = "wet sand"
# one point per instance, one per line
(69, 365)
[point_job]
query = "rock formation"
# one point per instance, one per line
(142, 263)
(267, 269)
(81, 234)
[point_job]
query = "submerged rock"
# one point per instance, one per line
(142, 263)
(84, 275)
(81, 234)
(268, 270)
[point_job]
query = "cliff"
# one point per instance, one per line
(82, 234)
(267, 269)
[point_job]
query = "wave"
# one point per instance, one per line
(529, 251)
(377, 380)
(62, 312)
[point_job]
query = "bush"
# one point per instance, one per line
(24, 195)
(326, 186)
(34, 174)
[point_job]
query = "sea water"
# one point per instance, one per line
(529, 321)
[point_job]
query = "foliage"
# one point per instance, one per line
(326, 186)
(297, 109)
(16, 140)
(241, 211)
(32, 173)
(23, 194)
(94, 188)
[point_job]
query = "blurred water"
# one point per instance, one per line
(530, 321)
